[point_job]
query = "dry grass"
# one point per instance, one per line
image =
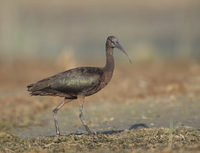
(143, 140)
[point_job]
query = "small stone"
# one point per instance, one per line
(152, 124)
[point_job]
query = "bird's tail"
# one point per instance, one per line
(32, 88)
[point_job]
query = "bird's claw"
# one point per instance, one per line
(88, 130)
(58, 134)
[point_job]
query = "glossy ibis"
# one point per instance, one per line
(78, 83)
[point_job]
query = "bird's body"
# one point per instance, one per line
(78, 83)
(69, 84)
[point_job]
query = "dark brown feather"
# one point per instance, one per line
(82, 80)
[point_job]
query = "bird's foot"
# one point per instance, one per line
(88, 130)
(58, 133)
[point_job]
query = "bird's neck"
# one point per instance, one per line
(109, 67)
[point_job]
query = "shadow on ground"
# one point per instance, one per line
(107, 132)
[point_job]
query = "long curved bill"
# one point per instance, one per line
(121, 48)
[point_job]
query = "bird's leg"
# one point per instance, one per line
(81, 100)
(55, 117)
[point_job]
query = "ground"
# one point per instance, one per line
(150, 106)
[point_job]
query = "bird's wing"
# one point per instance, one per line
(73, 81)
(76, 81)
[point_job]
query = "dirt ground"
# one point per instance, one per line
(150, 106)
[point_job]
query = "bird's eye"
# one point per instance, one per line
(112, 42)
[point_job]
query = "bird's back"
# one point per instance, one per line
(82, 80)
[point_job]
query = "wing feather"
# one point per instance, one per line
(71, 81)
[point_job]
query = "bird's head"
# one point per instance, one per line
(112, 42)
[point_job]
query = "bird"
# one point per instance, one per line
(78, 83)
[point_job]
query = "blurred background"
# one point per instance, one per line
(148, 30)
(41, 38)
